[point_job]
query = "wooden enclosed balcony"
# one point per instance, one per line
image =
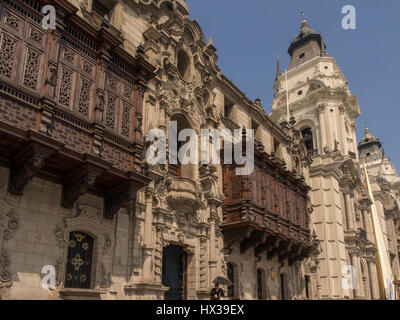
(267, 210)
(70, 105)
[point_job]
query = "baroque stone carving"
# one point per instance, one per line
(59, 237)
(9, 222)
(107, 245)
(105, 277)
(5, 276)
(21, 175)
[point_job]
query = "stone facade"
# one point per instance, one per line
(76, 104)
(325, 111)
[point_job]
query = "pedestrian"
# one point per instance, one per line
(216, 292)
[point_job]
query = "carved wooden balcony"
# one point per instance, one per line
(183, 194)
(70, 104)
(267, 210)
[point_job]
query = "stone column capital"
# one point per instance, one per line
(321, 107)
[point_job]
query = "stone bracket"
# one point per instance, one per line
(257, 238)
(26, 164)
(120, 196)
(79, 182)
(274, 248)
(286, 252)
(265, 246)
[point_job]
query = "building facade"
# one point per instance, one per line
(79, 202)
(77, 193)
(320, 101)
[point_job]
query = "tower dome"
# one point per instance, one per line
(307, 45)
(370, 146)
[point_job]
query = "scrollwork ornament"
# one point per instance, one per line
(107, 245)
(59, 237)
(5, 276)
(105, 278)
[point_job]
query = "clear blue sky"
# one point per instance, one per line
(250, 34)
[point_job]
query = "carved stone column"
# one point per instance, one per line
(321, 111)
(213, 257)
(354, 263)
(366, 224)
(148, 237)
(353, 133)
(343, 130)
(373, 280)
(349, 212)
(364, 205)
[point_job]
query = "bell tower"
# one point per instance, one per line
(318, 96)
(315, 92)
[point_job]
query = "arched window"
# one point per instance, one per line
(79, 260)
(179, 170)
(231, 276)
(260, 284)
(308, 139)
(184, 65)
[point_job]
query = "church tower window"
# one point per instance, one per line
(308, 139)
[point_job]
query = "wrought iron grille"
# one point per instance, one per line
(79, 261)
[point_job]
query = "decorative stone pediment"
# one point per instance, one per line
(181, 97)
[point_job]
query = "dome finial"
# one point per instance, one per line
(304, 23)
